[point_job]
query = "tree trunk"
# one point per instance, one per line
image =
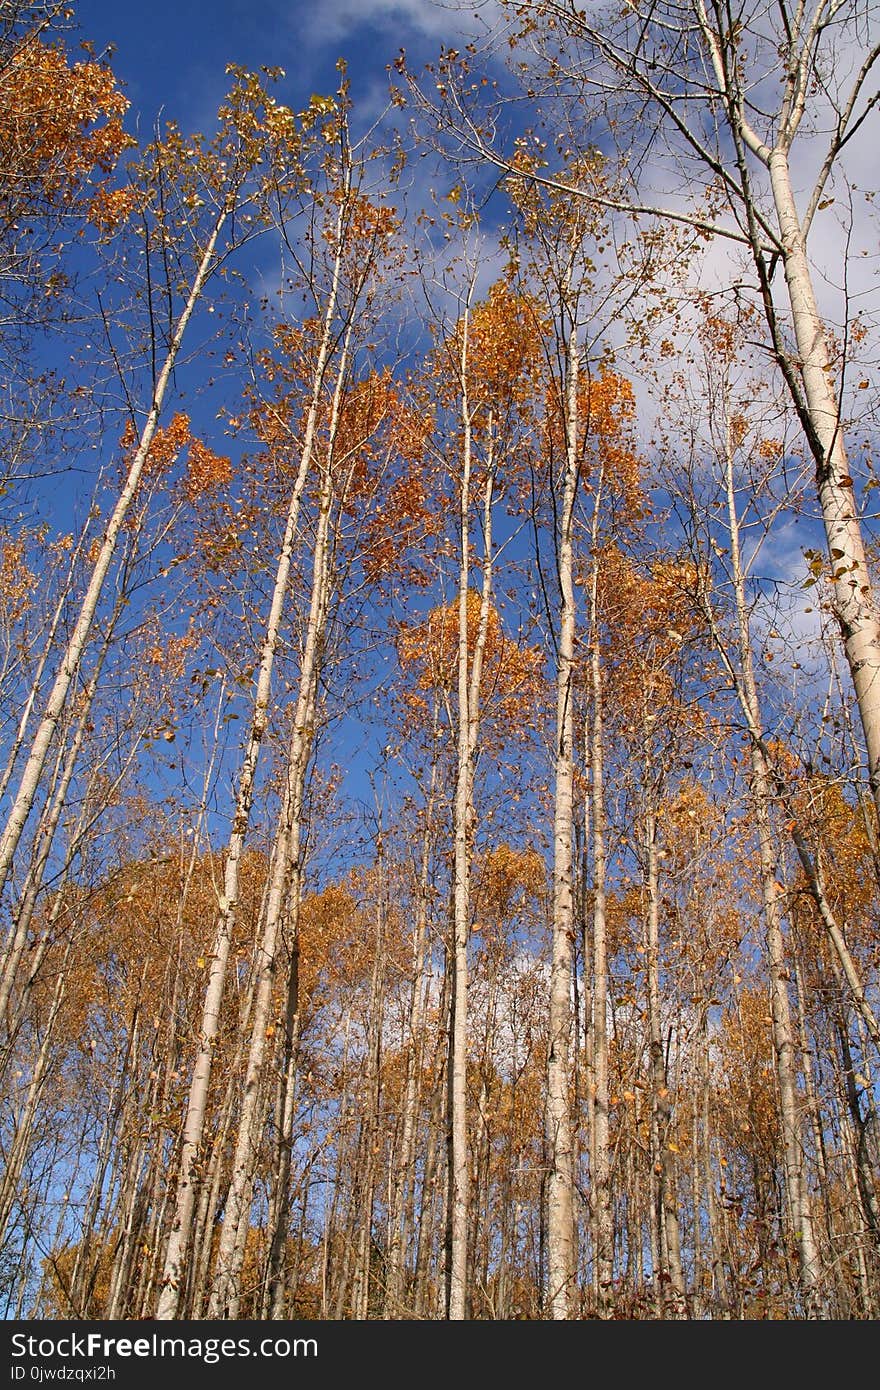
(670, 1274)
(600, 1166)
(219, 959)
(404, 1178)
(561, 1239)
(469, 672)
(799, 1212)
(854, 604)
(279, 1221)
(285, 864)
(70, 661)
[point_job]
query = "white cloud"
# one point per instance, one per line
(333, 20)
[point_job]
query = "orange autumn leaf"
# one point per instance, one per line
(205, 471)
(511, 673)
(59, 124)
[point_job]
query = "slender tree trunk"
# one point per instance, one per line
(854, 603)
(36, 680)
(437, 1124)
(670, 1275)
(131, 1215)
(214, 1177)
(719, 1279)
(279, 1225)
(799, 1211)
(219, 960)
(333, 1278)
(603, 1231)
(814, 1111)
(45, 838)
(459, 1174)
(72, 656)
(285, 862)
(469, 669)
(561, 1240)
(404, 1178)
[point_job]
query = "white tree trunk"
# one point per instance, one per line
(854, 604)
(31, 774)
(284, 881)
(470, 670)
(197, 1101)
(600, 1168)
(561, 1244)
(672, 1293)
(780, 1007)
(403, 1178)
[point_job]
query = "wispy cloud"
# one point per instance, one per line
(336, 20)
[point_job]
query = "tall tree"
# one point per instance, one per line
(739, 95)
(346, 470)
(210, 187)
(557, 253)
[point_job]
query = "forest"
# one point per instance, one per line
(440, 677)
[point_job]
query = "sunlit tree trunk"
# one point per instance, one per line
(279, 1214)
(11, 981)
(469, 676)
(219, 958)
(799, 1212)
(335, 1257)
(600, 1164)
(128, 1221)
(854, 603)
(429, 1204)
(49, 644)
(672, 1293)
(285, 865)
(561, 1242)
(695, 69)
(717, 1269)
(403, 1179)
(70, 661)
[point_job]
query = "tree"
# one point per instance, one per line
(657, 730)
(480, 379)
(274, 423)
(737, 94)
(344, 462)
(583, 466)
(61, 136)
(222, 180)
(820, 61)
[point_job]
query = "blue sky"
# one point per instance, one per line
(172, 54)
(170, 60)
